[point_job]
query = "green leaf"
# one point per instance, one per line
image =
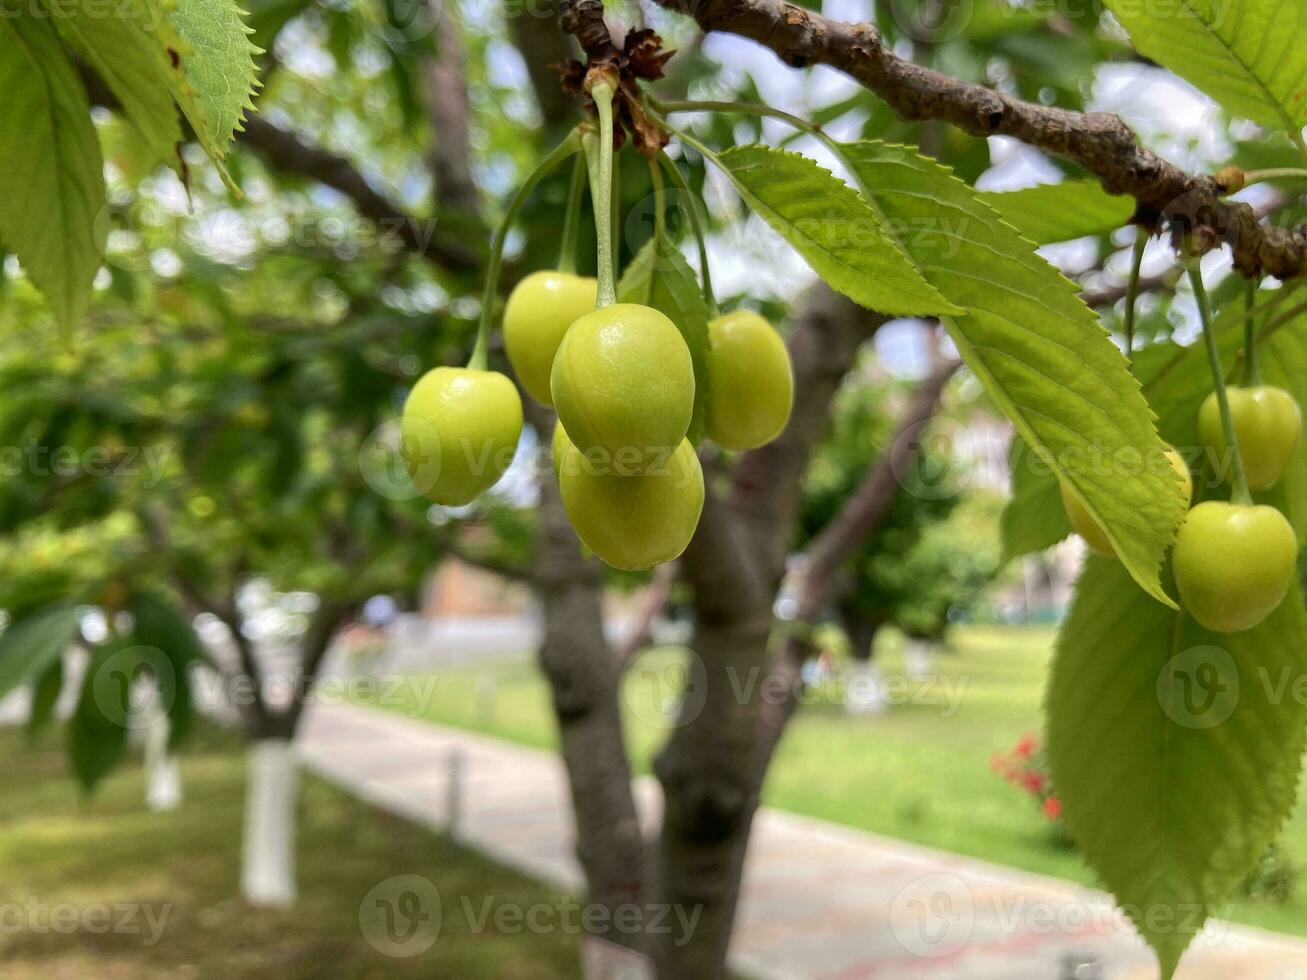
(121, 49)
(1043, 356)
(664, 280)
(219, 65)
(1035, 518)
(1175, 751)
(160, 626)
(831, 226)
(1248, 55)
(51, 162)
(31, 644)
(211, 72)
(97, 732)
(1284, 363)
(1060, 212)
(45, 695)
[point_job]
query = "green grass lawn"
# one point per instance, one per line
(73, 857)
(920, 772)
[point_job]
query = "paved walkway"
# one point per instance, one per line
(821, 902)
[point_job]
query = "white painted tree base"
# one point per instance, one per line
(917, 659)
(864, 694)
(268, 854)
(163, 790)
(163, 778)
(602, 960)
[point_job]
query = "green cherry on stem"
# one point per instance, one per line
(539, 310)
(632, 522)
(1267, 425)
(623, 386)
(752, 390)
(1083, 523)
(1238, 475)
(660, 223)
(459, 432)
(1234, 564)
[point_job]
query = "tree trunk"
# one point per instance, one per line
(712, 767)
(585, 677)
(710, 795)
(268, 855)
(862, 630)
(163, 781)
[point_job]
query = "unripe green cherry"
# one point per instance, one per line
(1093, 532)
(623, 385)
(634, 522)
(1234, 564)
(751, 383)
(459, 432)
(1267, 426)
(539, 312)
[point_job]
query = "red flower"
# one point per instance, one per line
(1027, 746)
(1033, 781)
(1052, 808)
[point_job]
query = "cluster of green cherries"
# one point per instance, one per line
(621, 379)
(1234, 561)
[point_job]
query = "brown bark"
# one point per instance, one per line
(584, 677)
(447, 110)
(862, 629)
(651, 605)
(735, 563)
(536, 35)
(1098, 141)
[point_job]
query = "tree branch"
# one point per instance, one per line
(651, 604)
(1100, 142)
(827, 331)
(283, 150)
(487, 563)
(447, 109)
(861, 515)
(542, 46)
(864, 512)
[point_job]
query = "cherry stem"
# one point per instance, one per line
(1274, 173)
(1132, 292)
(660, 225)
(601, 191)
(691, 208)
(1252, 371)
(572, 218)
(1238, 476)
(565, 149)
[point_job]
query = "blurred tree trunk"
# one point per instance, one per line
(712, 767)
(585, 677)
(862, 629)
(268, 849)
